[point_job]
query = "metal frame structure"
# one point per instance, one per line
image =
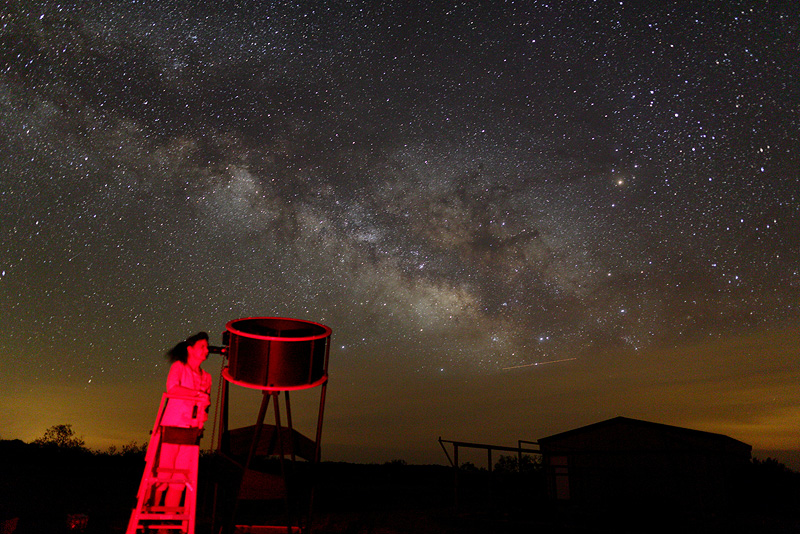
(489, 448)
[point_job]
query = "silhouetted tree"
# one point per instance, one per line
(61, 436)
(512, 464)
(773, 487)
(470, 467)
(134, 449)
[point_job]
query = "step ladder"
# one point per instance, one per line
(150, 515)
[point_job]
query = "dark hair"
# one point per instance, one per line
(178, 352)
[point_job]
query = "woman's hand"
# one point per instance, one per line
(203, 398)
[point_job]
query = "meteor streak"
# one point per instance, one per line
(537, 363)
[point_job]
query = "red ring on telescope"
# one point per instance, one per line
(277, 353)
(229, 327)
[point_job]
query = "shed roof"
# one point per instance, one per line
(623, 433)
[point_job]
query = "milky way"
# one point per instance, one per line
(468, 187)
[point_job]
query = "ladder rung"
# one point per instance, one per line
(165, 470)
(164, 510)
(148, 516)
(167, 526)
(149, 482)
(177, 477)
(158, 480)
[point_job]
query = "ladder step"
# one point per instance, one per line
(170, 474)
(163, 517)
(165, 509)
(165, 470)
(170, 526)
(148, 483)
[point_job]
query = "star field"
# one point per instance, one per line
(456, 190)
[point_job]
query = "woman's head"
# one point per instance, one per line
(196, 343)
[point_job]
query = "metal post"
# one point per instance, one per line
(289, 425)
(279, 429)
(455, 466)
(489, 471)
(317, 449)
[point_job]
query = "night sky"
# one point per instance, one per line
(516, 217)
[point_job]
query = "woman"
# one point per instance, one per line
(183, 418)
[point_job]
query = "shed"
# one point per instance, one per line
(624, 463)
